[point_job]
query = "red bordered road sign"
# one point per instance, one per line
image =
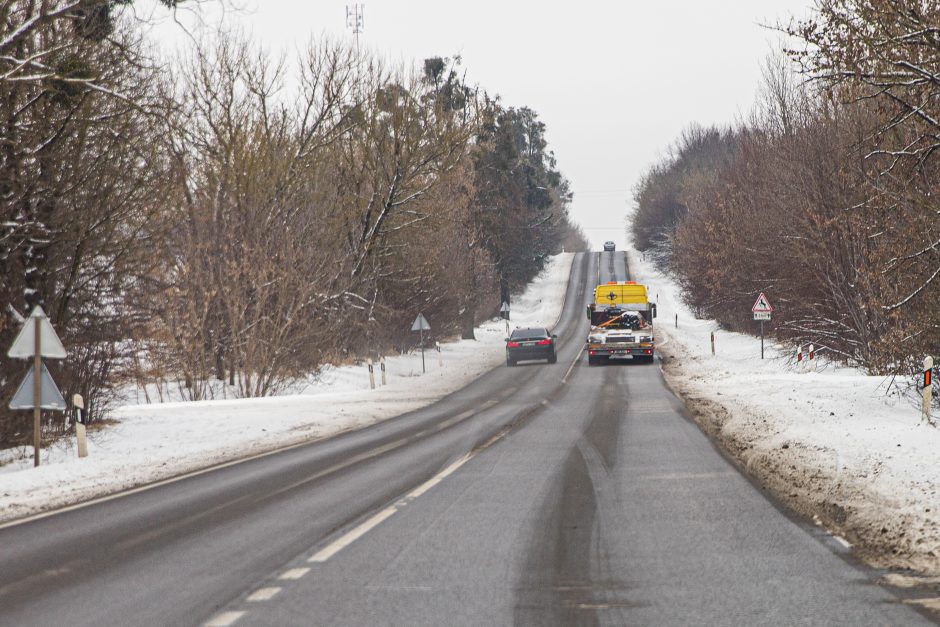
(762, 305)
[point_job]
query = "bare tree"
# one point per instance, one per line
(887, 53)
(79, 172)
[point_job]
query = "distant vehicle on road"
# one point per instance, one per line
(530, 343)
(609, 247)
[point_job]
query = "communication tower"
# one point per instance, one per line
(355, 20)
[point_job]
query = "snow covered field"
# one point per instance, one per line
(831, 444)
(154, 442)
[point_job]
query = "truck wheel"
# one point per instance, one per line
(592, 361)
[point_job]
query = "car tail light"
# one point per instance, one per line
(512, 344)
(544, 342)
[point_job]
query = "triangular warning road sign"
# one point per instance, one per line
(421, 323)
(762, 305)
(24, 345)
(50, 397)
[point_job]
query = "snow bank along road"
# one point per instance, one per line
(542, 494)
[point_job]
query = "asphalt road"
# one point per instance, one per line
(541, 494)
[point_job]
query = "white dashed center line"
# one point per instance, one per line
(224, 619)
(436, 479)
(351, 536)
(264, 594)
(294, 573)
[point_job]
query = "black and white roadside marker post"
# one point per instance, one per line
(421, 325)
(37, 339)
(762, 311)
(79, 404)
(927, 385)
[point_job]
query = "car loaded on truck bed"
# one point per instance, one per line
(621, 323)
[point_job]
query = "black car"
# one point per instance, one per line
(609, 247)
(533, 343)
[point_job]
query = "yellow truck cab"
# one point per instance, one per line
(621, 323)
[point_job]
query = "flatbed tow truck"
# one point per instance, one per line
(621, 323)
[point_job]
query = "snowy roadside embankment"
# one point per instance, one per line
(831, 444)
(158, 441)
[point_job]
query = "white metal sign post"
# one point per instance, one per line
(421, 325)
(37, 339)
(504, 314)
(762, 311)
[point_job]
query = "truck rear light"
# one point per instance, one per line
(648, 352)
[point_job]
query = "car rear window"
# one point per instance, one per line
(529, 334)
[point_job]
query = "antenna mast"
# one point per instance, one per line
(355, 20)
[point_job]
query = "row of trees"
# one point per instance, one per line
(825, 198)
(232, 221)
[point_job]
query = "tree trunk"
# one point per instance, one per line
(467, 323)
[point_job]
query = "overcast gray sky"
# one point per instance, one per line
(614, 82)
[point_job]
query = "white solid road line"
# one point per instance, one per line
(842, 541)
(351, 536)
(574, 363)
(224, 619)
(263, 594)
(294, 573)
(169, 480)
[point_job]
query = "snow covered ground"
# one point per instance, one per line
(833, 444)
(157, 441)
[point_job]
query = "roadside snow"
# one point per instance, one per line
(154, 442)
(832, 444)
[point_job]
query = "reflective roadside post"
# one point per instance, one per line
(927, 382)
(79, 404)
